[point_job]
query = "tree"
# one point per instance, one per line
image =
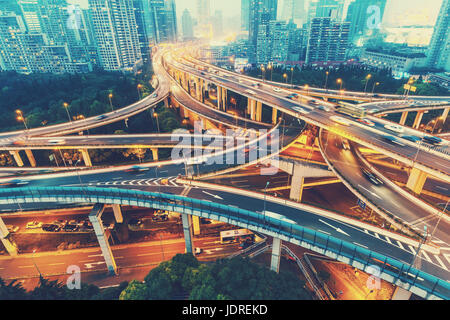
(12, 291)
(159, 283)
(48, 290)
(134, 291)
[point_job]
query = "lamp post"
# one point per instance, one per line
(292, 77)
(440, 217)
(306, 87)
(271, 70)
(326, 80)
(66, 106)
(285, 77)
(339, 81)
(367, 81)
(263, 73)
(139, 87)
(35, 265)
(264, 212)
(157, 121)
(110, 96)
(20, 117)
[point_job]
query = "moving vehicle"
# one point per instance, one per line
(324, 108)
(33, 225)
(100, 117)
(395, 128)
(367, 122)
(70, 228)
(312, 102)
(432, 139)
(154, 95)
(371, 177)
(250, 92)
(134, 222)
(232, 236)
(392, 139)
(373, 110)
(256, 84)
(351, 110)
(50, 227)
(345, 144)
(12, 228)
(198, 251)
(300, 110)
(340, 120)
(61, 223)
(137, 169)
(292, 96)
(246, 243)
(160, 218)
(411, 138)
(57, 141)
(276, 89)
(14, 183)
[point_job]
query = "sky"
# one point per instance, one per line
(397, 12)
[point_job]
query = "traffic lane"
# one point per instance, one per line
(348, 164)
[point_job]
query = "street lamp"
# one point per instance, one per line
(157, 121)
(271, 70)
(326, 80)
(339, 81)
(367, 81)
(263, 73)
(306, 87)
(439, 220)
(264, 212)
(285, 77)
(110, 96)
(376, 84)
(35, 265)
(66, 106)
(20, 117)
(292, 77)
(139, 87)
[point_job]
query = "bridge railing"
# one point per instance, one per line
(394, 270)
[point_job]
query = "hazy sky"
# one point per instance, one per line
(398, 12)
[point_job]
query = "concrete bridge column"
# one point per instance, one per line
(196, 225)
(102, 237)
(274, 116)
(403, 118)
(416, 180)
(187, 230)
(117, 213)
(252, 104)
(418, 119)
(219, 97)
(155, 154)
(224, 99)
(166, 103)
(30, 157)
(86, 157)
(445, 114)
(4, 234)
(259, 111)
(17, 157)
(401, 294)
(276, 255)
(297, 183)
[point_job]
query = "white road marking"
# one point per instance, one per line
(400, 245)
(447, 256)
(440, 262)
(425, 255)
(412, 249)
(388, 240)
(358, 244)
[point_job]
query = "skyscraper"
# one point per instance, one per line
(294, 10)
(365, 17)
(438, 54)
(217, 23)
(245, 14)
(187, 25)
(261, 12)
(203, 11)
(327, 40)
(115, 29)
(326, 8)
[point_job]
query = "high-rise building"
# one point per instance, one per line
(187, 25)
(365, 18)
(327, 40)
(438, 54)
(261, 12)
(217, 23)
(297, 42)
(203, 11)
(245, 14)
(160, 21)
(273, 42)
(115, 30)
(294, 10)
(326, 8)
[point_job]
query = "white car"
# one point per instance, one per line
(33, 225)
(394, 128)
(57, 141)
(300, 110)
(250, 92)
(276, 89)
(340, 120)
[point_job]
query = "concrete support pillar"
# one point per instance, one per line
(30, 157)
(258, 111)
(416, 180)
(445, 114)
(155, 154)
(197, 89)
(252, 104)
(187, 230)
(224, 99)
(276, 255)
(219, 98)
(401, 294)
(17, 157)
(4, 234)
(297, 182)
(102, 237)
(274, 116)
(403, 118)
(86, 157)
(117, 213)
(418, 119)
(166, 103)
(196, 225)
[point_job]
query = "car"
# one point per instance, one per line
(205, 221)
(256, 85)
(101, 117)
(365, 121)
(432, 140)
(411, 138)
(245, 244)
(372, 178)
(12, 228)
(154, 95)
(49, 227)
(292, 96)
(324, 108)
(373, 110)
(160, 218)
(109, 226)
(312, 102)
(340, 120)
(33, 225)
(300, 110)
(87, 225)
(394, 127)
(250, 92)
(198, 250)
(14, 183)
(70, 228)
(276, 89)
(56, 141)
(134, 222)
(137, 169)
(392, 139)
(345, 144)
